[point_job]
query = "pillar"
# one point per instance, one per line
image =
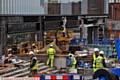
(3, 35)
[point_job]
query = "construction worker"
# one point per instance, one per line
(101, 53)
(73, 60)
(95, 55)
(99, 61)
(33, 63)
(51, 53)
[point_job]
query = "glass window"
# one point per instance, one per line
(117, 1)
(31, 18)
(111, 1)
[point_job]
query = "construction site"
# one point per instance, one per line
(59, 40)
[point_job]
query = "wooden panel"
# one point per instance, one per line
(53, 8)
(114, 11)
(96, 7)
(76, 8)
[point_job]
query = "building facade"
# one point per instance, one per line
(114, 1)
(114, 11)
(98, 7)
(30, 18)
(45, 7)
(21, 7)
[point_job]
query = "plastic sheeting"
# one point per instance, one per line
(117, 46)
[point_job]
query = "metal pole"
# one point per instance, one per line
(79, 19)
(82, 26)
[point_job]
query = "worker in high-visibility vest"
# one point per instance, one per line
(95, 55)
(51, 54)
(33, 63)
(99, 61)
(73, 60)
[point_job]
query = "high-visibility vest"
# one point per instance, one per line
(74, 61)
(94, 56)
(99, 62)
(35, 67)
(51, 51)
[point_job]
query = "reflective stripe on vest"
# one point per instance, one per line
(94, 58)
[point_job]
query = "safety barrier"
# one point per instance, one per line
(60, 77)
(47, 77)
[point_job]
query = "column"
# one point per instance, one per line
(3, 35)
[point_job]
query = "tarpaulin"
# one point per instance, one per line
(117, 46)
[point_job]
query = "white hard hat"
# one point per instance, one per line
(72, 55)
(96, 49)
(9, 49)
(9, 55)
(31, 52)
(33, 44)
(85, 51)
(51, 45)
(101, 52)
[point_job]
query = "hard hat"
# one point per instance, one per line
(101, 52)
(9, 55)
(85, 51)
(71, 55)
(31, 52)
(51, 45)
(33, 44)
(9, 49)
(96, 49)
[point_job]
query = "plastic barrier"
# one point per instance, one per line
(115, 71)
(61, 77)
(117, 46)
